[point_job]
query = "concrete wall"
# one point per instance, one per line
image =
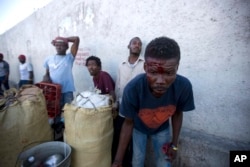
(214, 37)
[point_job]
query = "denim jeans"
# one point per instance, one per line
(140, 146)
(23, 82)
(66, 98)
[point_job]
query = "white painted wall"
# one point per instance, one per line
(214, 37)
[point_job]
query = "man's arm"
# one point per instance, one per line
(117, 89)
(112, 93)
(176, 125)
(108, 84)
(31, 76)
(7, 71)
(74, 47)
(46, 77)
(125, 137)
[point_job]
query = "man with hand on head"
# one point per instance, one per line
(150, 100)
(59, 67)
(26, 71)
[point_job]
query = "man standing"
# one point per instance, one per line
(4, 74)
(102, 80)
(59, 67)
(128, 69)
(150, 100)
(26, 71)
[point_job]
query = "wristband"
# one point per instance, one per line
(173, 147)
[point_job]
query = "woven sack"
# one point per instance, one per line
(23, 122)
(89, 132)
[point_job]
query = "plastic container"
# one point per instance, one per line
(52, 94)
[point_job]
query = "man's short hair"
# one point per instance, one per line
(163, 48)
(133, 39)
(96, 59)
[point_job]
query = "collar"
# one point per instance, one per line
(126, 61)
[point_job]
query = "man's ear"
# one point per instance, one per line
(145, 66)
(177, 66)
(99, 68)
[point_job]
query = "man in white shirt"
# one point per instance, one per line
(26, 71)
(128, 69)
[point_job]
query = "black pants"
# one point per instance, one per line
(6, 85)
(127, 160)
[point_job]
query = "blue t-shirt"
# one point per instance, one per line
(150, 114)
(60, 68)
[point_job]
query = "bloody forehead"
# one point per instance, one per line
(155, 63)
(158, 66)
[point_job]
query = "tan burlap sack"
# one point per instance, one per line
(89, 132)
(23, 123)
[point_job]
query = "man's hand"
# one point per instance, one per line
(46, 78)
(117, 164)
(5, 79)
(170, 150)
(114, 112)
(171, 154)
(115, 108)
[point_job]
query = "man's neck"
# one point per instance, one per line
(97, 75)
(61, 54)
(133, 58)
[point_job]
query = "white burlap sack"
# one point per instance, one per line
(23, 123)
